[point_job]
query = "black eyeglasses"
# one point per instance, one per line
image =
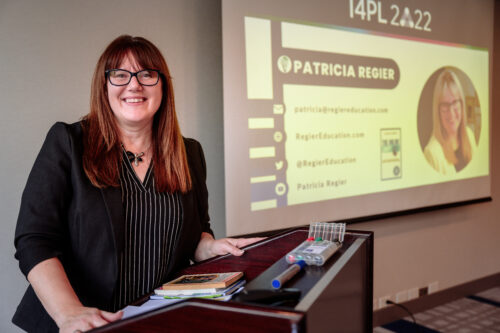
(122, 77)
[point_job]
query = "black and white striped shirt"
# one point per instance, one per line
(152, 223)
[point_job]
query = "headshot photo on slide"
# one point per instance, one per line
(448, 120)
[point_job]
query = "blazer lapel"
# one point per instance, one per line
(113, 201)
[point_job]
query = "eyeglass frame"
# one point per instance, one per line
(132, 74)
(447, 106)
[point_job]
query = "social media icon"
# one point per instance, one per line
(278, 109)
(278, 165)
(278, 136)
(280, 189)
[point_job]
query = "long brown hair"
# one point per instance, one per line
(102, 147)
(449, 80)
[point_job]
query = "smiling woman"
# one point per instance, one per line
(116, 202)
(133, 102)
(141, 116)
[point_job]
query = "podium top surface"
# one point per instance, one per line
(260, 263)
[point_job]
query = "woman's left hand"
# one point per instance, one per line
(209, 247)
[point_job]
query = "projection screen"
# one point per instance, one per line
(336, 110)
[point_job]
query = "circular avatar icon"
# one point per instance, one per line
(448, 120)
(284, 64)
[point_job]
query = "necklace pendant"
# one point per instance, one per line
(136, 158)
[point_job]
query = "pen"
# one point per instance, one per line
(287, 274)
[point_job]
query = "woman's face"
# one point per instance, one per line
(134, 105)
(450, 111)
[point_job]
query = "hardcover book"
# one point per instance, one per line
(160, 293)
(203, 281)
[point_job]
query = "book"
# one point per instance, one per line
(199, 283)
(194, 293)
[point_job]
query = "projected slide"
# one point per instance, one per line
(336, 121)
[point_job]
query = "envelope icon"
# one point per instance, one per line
(278, 108)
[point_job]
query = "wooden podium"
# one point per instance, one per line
(336, 297)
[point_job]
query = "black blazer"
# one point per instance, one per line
(63, 215)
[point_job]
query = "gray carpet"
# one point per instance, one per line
(476, 313)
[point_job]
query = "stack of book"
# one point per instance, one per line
(214, 285)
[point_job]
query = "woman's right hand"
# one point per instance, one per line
(53, 289)
(81, 319)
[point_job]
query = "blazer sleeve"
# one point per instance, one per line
(198, 166)
(41, 230)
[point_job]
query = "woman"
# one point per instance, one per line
(114, 203)
(452, 143)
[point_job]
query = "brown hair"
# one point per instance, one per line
(102, 146)
(449, 80)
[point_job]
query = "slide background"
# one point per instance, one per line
(415, 70)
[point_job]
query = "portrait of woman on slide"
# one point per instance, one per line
(452, 144)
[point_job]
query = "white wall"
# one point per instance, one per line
(48, 50)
